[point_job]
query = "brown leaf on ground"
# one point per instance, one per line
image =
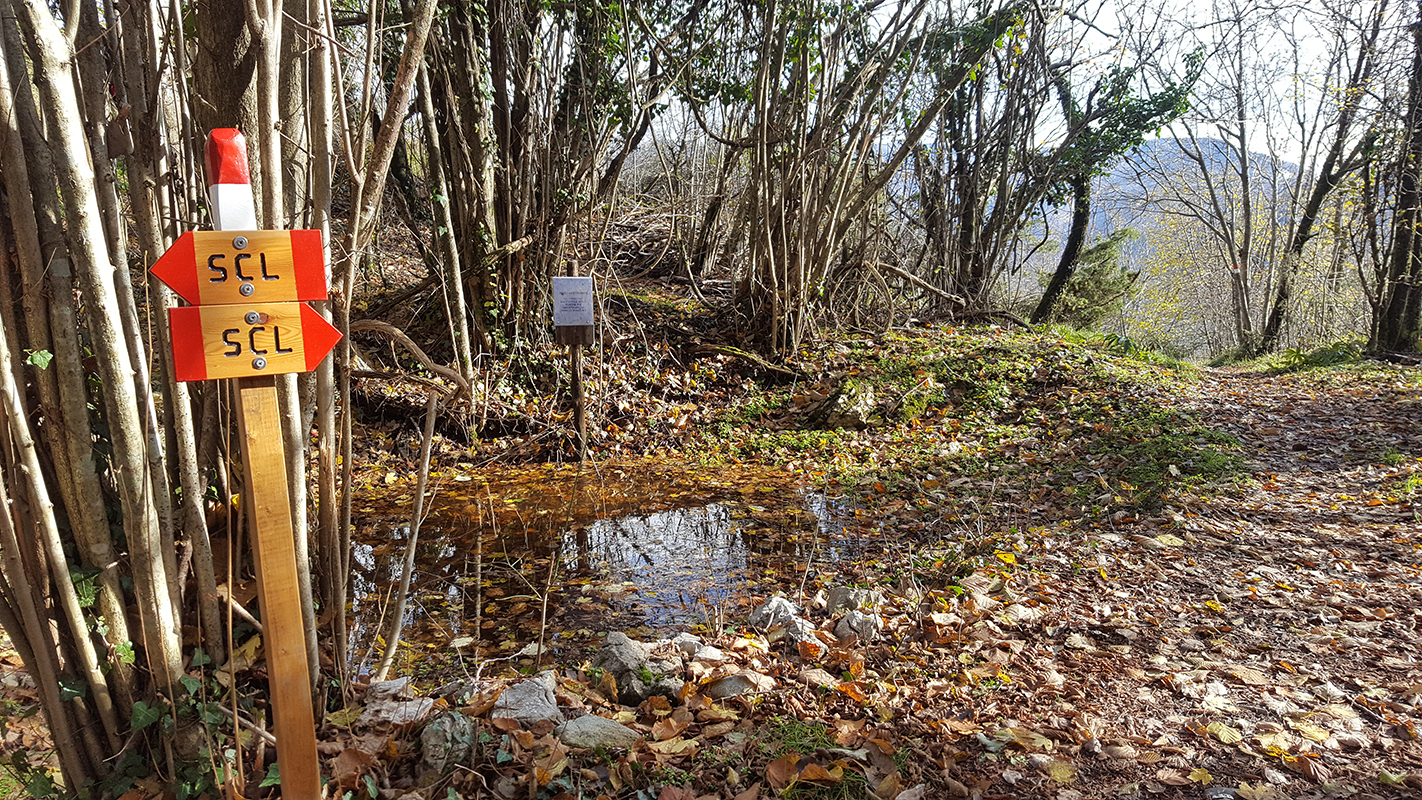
(348, 767)
(782, 771)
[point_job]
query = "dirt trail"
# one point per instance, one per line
(1267, 637)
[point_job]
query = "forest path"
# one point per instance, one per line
(1267, 635)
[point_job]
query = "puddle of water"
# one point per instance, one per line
(634, 547)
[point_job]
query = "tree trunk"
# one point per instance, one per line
(1066, 266)
(1398, 329)
(53, 65)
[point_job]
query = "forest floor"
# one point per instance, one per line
(1100, 574)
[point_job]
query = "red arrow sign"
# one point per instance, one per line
(240, 341)
(211, 267)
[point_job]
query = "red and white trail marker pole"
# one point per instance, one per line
(249, 321)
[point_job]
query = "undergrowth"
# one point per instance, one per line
(982, 412)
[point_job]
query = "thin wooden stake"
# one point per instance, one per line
(274, 548)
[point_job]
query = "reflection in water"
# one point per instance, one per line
(687, 557)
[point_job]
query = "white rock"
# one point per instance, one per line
(591, 731)
(393, 703)
(738, 684)
(847, 598)
(529, 701)
(687, 643)
(775, 611)
(857, 623)
(710, 655)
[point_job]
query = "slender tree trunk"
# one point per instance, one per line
(443, 224)
(332, 562)
(1066, 266)
(1399, 326)
(69, 439)
(36, 633)
(53, 67)
(32, 478)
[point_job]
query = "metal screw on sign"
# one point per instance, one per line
(240, 243)
(259, 363)
(253, 318)
(246, 289)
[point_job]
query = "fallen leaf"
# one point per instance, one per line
(1119, 751)
(666, 728)
(782, 771)
(1260, 792)
(674, 747)
(1202, 776)
(345, 716)
(1172, 777)
(718, 729)
(815, 773)
(1310, 731)
(1340, 711)
(1309, 766)
(1224, 733)
(1061, 771)
(1249, 675)
(348, 767)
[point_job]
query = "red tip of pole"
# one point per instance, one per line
(226, 156)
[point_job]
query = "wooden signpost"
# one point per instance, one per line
(249, 321)
(573, 326)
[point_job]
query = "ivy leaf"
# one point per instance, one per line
(273, 777)
(145, 715)
(39, 358)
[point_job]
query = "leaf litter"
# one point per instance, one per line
(1253, 633)
(1099, 578)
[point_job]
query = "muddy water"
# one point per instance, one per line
(642, 547)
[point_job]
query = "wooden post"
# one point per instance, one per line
(572, 320)
(575, 336)
(269, 511)
(274, 550)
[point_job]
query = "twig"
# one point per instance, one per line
(428, 363)
(920, 282)
(226, 594)
(260, 733)
(736, 352)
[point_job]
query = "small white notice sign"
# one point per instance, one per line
(572, 301)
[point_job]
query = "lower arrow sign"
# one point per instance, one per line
(239, 341)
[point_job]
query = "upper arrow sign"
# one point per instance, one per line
(227, 267)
